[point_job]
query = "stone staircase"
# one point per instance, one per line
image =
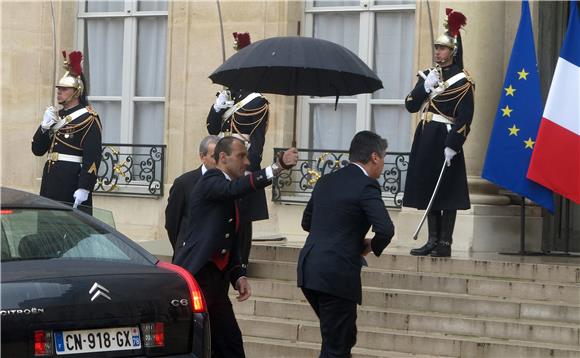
(421, 307)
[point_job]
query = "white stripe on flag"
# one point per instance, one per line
(563, 104)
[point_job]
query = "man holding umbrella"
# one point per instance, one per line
(443, 96)
(244, 115)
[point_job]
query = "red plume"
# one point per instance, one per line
(455, 21)
(243, 39)
(74, 60)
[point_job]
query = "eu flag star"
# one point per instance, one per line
(506, 111)
(523, 74)
(509, 91)
(514, 130)
(529, 143)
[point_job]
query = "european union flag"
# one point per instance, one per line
(517, 120)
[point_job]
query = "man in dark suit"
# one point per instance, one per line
(177, 203)
(244, 114)
(211, 251)
(343, 206)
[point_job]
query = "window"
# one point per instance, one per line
(124, 46)
(38, 234)
(381, 33)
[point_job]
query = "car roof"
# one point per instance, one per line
(13, 198)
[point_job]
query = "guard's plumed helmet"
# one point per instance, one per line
(241, 40)
(455, 21)
(74, 72)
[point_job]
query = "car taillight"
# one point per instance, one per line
(6, 211)
(153, 334)
(42, 343)
(197, 302)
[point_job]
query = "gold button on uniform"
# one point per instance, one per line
(224, 251)
(227, 236)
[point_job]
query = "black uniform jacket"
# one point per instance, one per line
(343, 206)
(430, 140)
(80, 137)
(212, 221)
(251, 120)
(176, 213)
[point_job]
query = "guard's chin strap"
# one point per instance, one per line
(69, 98)
(336, 103)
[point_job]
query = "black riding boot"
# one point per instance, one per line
(433, 224)
(443, 248)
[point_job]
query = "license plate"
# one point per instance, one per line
(97, 340)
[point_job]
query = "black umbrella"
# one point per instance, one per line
(297, 66)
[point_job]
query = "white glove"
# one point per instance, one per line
(431, 81)
(221, 102)
(438, 90)
(80, 195)
(449, 154)
(49, 118)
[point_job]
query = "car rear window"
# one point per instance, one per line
(33, 234)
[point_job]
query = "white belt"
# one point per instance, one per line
(243, 137)
(54, 156)
(427, 117)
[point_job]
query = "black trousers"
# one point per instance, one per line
(337, 323)
(226, 337)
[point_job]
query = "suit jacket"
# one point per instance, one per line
(343, 206)
(177, 204)
(211, 227)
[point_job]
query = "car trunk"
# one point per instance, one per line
(72, 295)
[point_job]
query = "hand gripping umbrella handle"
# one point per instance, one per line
(416, 234)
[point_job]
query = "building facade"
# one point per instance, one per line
(148, 64)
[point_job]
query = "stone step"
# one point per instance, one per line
(260, 347)
(508, 268)
(408, 341)
(434, 282)
(405, 320)
(436, 302)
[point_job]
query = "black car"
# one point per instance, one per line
(74, 286)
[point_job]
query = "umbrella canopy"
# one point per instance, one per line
(297, 66)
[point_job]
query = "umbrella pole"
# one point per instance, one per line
(294, 122)
(295, 105)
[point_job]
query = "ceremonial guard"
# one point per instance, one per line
(443, 96)
(72, 138)
(244, 115)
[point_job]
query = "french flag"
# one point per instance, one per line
(555, 162)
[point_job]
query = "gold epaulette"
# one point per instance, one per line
(468, 77)
(91, 111)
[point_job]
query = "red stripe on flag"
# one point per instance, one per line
(555, 161)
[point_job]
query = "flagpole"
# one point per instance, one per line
(523, 226)
(522, 251)
(567, 229)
